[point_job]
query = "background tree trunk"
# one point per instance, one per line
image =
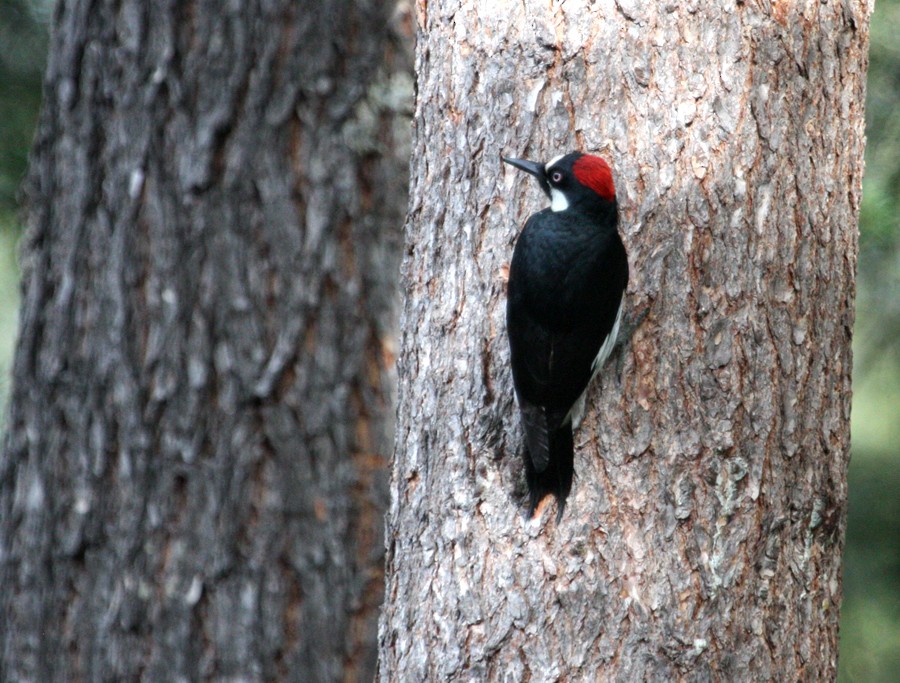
(192, 487)
(703, 538)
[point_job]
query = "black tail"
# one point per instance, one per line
(557, 477)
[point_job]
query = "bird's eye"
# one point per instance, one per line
(556, 176)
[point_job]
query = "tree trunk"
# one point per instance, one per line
(703, 537)
(191, 487)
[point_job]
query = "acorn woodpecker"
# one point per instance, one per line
(564, 304)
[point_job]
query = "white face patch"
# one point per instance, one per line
(558, 201)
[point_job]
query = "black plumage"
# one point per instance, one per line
(568, 273)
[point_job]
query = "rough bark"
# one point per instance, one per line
(192, 485)
(703, 538)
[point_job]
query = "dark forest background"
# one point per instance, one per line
(870, 624)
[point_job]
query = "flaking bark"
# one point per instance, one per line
(192, 486)
(703, 537)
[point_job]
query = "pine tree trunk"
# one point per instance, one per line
(194, 478)
(703, 537)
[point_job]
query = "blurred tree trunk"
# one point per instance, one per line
(194, 478)
(703, 538)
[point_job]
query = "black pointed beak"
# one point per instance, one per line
(532, 167)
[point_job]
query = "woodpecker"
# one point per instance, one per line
(564, 304)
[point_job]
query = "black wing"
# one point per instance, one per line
(565, 288)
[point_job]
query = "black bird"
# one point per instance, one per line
(564, 304)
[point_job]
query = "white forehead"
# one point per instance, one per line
(553, 161)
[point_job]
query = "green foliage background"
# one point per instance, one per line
(870, 623)
(870, 617)
(23, 46)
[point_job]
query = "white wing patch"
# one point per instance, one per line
(558, 201)
(608, 344)
(576, 412)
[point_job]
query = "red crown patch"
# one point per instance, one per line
(596, 174)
